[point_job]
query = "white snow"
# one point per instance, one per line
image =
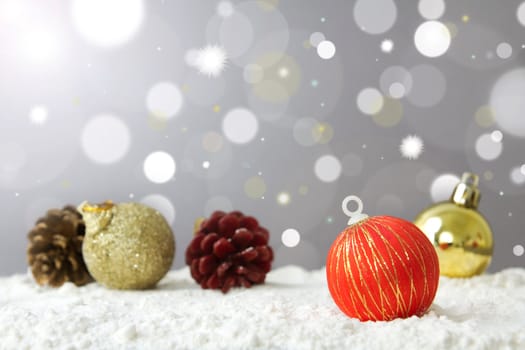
(293, 310)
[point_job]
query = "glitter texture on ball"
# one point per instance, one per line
(127, 246)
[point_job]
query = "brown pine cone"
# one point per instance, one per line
(229, 250)
(54, 253)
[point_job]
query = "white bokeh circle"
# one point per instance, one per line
(504, 50)
(40, 46)
(432, 38)
(507, 102)
(370, 101)
(328, 168)
(284, 198)
(38, 114)
(375, 16)
(326, 49)
(517, 177)
(487, 147)
(316, 38)
(395, 81)
(107, 23)
(387, 45)
(161, 204)
(443, 186)
(497, 136)
(105, 139)
(240, 125)
(164, 100)
(225, 9)
(521, 14)
(431, 9)
(159, 167)
(397, 90)
(518, 250)
(290, 237)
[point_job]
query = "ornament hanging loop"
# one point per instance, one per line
(355, 215)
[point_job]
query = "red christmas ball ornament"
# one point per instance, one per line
(381, 268)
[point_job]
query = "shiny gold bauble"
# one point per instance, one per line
(126, 246)
(460, 234)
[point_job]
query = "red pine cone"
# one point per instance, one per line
(229, 250)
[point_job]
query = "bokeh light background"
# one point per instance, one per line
(277, 108)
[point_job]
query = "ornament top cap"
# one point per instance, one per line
(355, 215)
(85, 207)
(466, 193)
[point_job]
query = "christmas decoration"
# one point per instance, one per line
(229, 250)
(380, 268)
(54, 253)
(127, 245)
(411, 147)
(210, 60)
(461, 236)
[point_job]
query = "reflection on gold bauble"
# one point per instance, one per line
(460, 234)
(126, 246)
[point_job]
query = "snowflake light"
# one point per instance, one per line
(211, 60)
(411, 147)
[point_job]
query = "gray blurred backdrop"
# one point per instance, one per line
(91, 91)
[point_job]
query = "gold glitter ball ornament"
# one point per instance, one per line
(460, 234)
(127, 245)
